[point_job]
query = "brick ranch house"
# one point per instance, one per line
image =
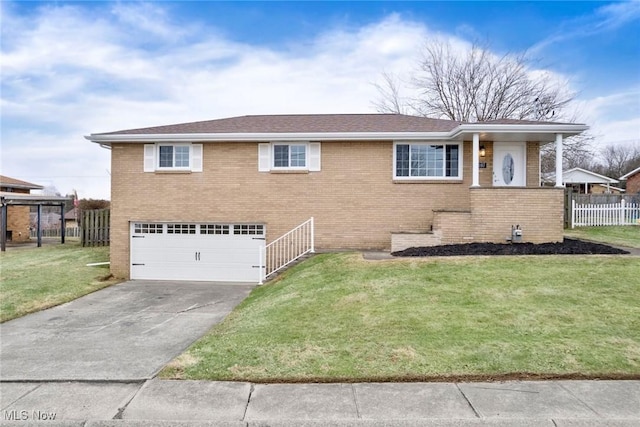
(184, 196)
(18, 219)
(633, 181)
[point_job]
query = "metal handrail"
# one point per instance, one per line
(287, 248)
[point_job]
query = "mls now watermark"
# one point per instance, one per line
(24, 415)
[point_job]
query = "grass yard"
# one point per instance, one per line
(628, 236)
(32, 279)
(337, 317)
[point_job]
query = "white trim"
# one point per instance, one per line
(559, 159)
(315, 156)
(460, 132)
(458, 177)
(566, 175)
(264, 157)
(475, 155)
(151, 157)
(173, 168)
(289, 144)
(633, 172)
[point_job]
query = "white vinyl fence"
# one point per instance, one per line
(590, 215)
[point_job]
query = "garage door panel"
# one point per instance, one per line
(196, 252)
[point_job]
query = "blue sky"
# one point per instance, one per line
(74, 68)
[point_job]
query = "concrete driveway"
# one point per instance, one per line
(125, 332)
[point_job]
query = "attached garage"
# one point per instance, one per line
(197, 251)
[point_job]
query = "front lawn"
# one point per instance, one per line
(337, 317)
(33, 279)
(628, 236)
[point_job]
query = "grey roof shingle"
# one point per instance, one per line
(5, 181)
(303, 123)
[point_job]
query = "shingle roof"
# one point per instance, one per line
(303, 123)
(5, 181)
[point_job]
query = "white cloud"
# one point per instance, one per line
(72, 70)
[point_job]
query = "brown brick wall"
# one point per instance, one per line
(18, 223)
(453, 226)
(355, 202)
(633, 184)
(538, 211)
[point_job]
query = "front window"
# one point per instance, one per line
(428, 161)
(290, 156)
(173, 156)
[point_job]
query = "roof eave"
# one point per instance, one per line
(103, 139)
(455, 134)
(565, 129)
(633, 172)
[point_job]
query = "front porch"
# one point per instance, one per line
(505, 194)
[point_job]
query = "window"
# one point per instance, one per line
(289, 156)
(181, 229)
(173, 157)
(428, 161)
(254, 229)
(214, 229)
(142, 228)
(280, 156)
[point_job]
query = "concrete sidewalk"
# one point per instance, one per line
(164, 402)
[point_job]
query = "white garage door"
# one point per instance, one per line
(188, 251)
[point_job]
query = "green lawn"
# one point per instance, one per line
(337, 317)
(628, 236)
(33, 279)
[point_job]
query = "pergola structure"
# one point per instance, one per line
(24, 199)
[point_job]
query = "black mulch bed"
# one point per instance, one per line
(567, 247)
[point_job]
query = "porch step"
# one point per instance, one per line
(402, 240)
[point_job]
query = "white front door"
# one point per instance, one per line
(509, 164)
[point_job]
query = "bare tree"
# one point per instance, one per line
(390, 100)
(474, 86)
(618, 159)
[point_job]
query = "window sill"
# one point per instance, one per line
(172, 172)
(428, 181)
(288, 171)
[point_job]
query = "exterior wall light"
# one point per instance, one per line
(483, 152)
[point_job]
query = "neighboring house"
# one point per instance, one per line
(48, 220)
(71, 218)
(197, 201)
(18, 220)
(583, 181)
(633, 181)
(606, 189)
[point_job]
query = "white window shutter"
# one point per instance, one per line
(196, 157)
(264, 157)
(314, 156)
(149, 157)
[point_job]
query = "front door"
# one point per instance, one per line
(509, 164)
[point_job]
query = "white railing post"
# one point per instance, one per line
(313, 245)
(573, 213)
(623, 213)
(288, 248)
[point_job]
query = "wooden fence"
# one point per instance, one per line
(94, 226)
(589, 215)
